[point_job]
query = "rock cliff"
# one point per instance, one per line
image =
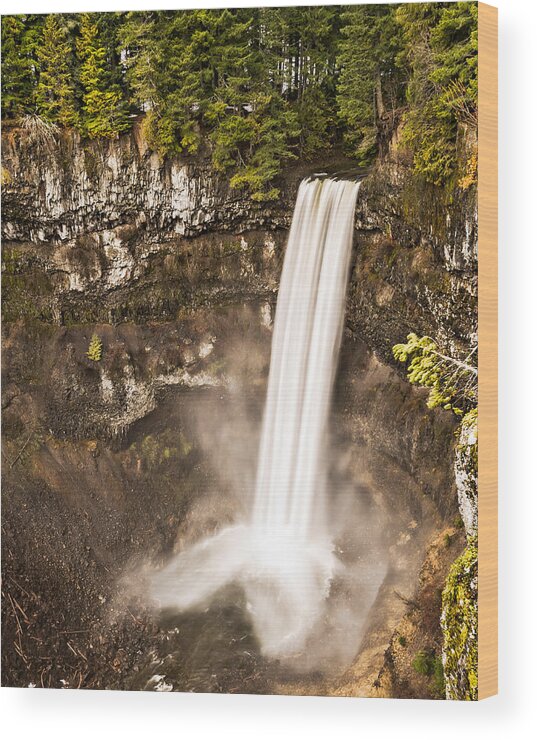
(87, 221)
(108, 238)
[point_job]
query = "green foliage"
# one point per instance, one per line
(300, 47)
(315, 122)
(19, 63)
(272, 124)
(459, 625)
(426, 663)
(109, 25)
(55, 91)
(469, 420)
(103, 110)
(440, 56)
(452, 382)
(160, 449)
(423, 663)
(256, 88)
(469, 176)
(453, 385)
(369, 79)
(204, 71)
(95, 349)
(402, 640)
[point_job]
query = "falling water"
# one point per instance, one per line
(307, 332)
(283, 556)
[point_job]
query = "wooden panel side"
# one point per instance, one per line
(488, 351)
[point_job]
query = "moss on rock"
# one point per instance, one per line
(459, 625)
(466, 472)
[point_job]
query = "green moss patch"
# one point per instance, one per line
(459, 625)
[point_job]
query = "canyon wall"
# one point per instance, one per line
(108, 238)
(108, 231)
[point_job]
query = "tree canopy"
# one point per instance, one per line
(55, 91)
(254, 88)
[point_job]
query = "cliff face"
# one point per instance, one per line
(84, 222)
(106, 237)
(62, 188)
(87, 221)
(416, 263)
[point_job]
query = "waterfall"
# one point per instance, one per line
(307, 332)
(283, 556)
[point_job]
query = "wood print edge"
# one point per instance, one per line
(488, 351)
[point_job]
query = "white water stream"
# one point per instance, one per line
(283, 556)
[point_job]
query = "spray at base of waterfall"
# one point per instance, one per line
(284, 556)
(307, 608)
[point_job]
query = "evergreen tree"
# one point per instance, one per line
(254, 125)
(273, 124)
(254, 88)
(19, 64)
(109, 25)
(299, 46)
(440, 54)
(103, 109)
(95, 349)
(318, 29)
(166, 55)
(139, 46)
(55, 92)
(202, 76)
(368, 81)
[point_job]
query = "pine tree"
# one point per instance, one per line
(254, 124)
(273, 125)
(440, 57)
(166, 69)
(103, 110)
(138, 42)
(55, 92)
(254, 88)
(95, 349)
(369, 79)
(202, 76)
(19, 64)
(319, 29)
(299, 46)
(109, 27)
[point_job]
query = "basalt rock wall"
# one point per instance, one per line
(109, 231)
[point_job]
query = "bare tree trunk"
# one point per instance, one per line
(379, 101)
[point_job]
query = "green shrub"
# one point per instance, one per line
(423, 663)
(95, 349)
(452, 382)
(428, 664)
